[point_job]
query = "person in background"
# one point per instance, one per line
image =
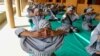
(88, 16)
(37, 15)
(69, 17)
(94, 47)
(52, 12)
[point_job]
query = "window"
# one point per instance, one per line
(97, 2)
(58, 1)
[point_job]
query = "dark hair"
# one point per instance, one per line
(85, 10)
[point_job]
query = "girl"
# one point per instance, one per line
(42, 40)
(88, 18)
(94, 47)
(69, 17)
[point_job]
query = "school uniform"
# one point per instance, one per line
(68, 20)
(35, 20)
(87, 22)
(52, 15)
(74, 17)
(87, 19)
(94, 45)
(40, 46)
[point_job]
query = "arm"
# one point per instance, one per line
(60, 31)
(47, 32)
(25, 33)
(91, 50)
(95, 33)
(31, 34)
(57, 32)
(77, 16)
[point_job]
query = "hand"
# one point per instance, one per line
(97, 52)
(43, 33)
(46, 32)
(36, 34)
(58, 32)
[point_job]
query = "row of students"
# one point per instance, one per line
(52, 12)
(70, 16)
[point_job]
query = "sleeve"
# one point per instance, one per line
(76, 15)
(95, 33)
(64, 28)
(91, 50)
(19, 31)
(94, 16)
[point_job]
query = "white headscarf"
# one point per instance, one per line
(39, 24)
(89, 10)
(69, 8)
(44, 23)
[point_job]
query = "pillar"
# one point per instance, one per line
(9, 13)
(18, 10)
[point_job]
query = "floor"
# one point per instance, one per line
(9, 42)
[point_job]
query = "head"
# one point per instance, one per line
(52, 6)
(38, 12)
(44, 24)
(70, 9)
(89, 10)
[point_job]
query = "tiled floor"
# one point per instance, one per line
(9, 42)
